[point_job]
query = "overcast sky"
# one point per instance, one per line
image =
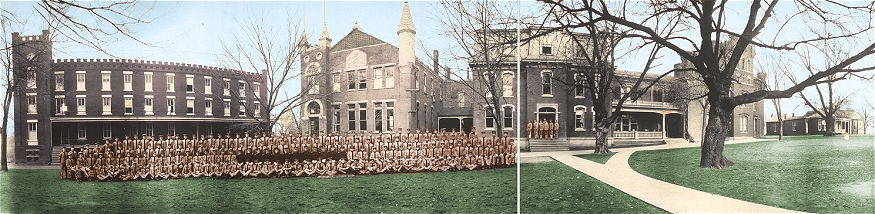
(192, 32)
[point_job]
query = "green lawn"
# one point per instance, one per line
(598, 158)
(811, 174)
(553, 187)
(483, 191)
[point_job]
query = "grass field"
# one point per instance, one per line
(483, 191)
(598, 158)
(811, 174)
(553, 187)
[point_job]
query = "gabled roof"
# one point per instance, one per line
(355, 39)
(839, 114)
(786, 118)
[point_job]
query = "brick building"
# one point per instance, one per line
(846, 122)
(85, 101)
(363, 84)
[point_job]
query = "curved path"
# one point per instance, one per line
(669, 197)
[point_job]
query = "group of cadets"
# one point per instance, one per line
(542, 129)
(285, 155)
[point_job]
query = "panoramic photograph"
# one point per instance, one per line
(438, 107)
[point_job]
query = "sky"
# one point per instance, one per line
(192, 32)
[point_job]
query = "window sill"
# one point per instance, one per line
(579, 130)
(149, 113)
(546, 95)
(106, 113)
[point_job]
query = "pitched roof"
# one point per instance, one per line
(786, 118)
(839, 114)
(356, 38)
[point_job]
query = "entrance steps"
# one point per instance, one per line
(56, 150)
(548, 145)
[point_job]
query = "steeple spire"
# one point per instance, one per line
(325, 40)
(406, 20)
(357, 27)
(304, 41)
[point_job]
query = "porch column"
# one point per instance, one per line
(663, 123)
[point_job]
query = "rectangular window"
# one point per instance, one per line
(107, 104)
(128, 78)
(390, 116)
(189, 105)
(547, 83)
(336, 118)
(60, 108)
(81, 133)
(208, 106)
(227, 103)
(208, 85)
(227, 90)
(363, 79)
(337, 82)
(507, 123)
(150, 130)
(579, 112)
(105, 78)
(171, 105)
(147, 105)
(363, 115)
(31, 103)
(256, 108)
(189, 83)
(171, 129)
(107, 131)
(242, 110)
(378, 78)
(350, 79)
(242, 88)
(351, 115)
(490, 119)
(507, 84)
(147, 81)
(32, 132)
(80, 104)
(313, 85)
(129, 104)
(59, 81)
(170, 81)
(80, 80)
(31, 77)
(378, 116)
(256, 89)
(793, 125)
(579, 82)
(547, 50)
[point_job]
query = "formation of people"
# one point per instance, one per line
(542, 129)
(285, 155)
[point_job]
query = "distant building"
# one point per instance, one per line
(85, 101)
(846, 122)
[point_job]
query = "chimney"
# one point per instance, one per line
(793, 115)
(436, 67)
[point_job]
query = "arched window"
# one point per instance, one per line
(313, 108)
(657, 95)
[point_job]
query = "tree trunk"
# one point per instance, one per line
(780, 119)
(715, 136)
(601, 140)
(830, 124)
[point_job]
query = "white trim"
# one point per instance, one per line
(106, 109)
(151, 83)
(81, 86)
(582, 115)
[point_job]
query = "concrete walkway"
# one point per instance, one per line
(670, 197)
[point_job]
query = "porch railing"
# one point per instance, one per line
(636, 135)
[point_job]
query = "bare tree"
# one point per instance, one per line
(777, 69)
(716, 61)
(92, 24)
(595, 51)
(484, 34)
(276, 54)
(868, 113)
(827, 101)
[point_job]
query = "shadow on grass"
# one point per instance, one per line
(811, 174)
(553, 187)
(598, 158)
(482, 191)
